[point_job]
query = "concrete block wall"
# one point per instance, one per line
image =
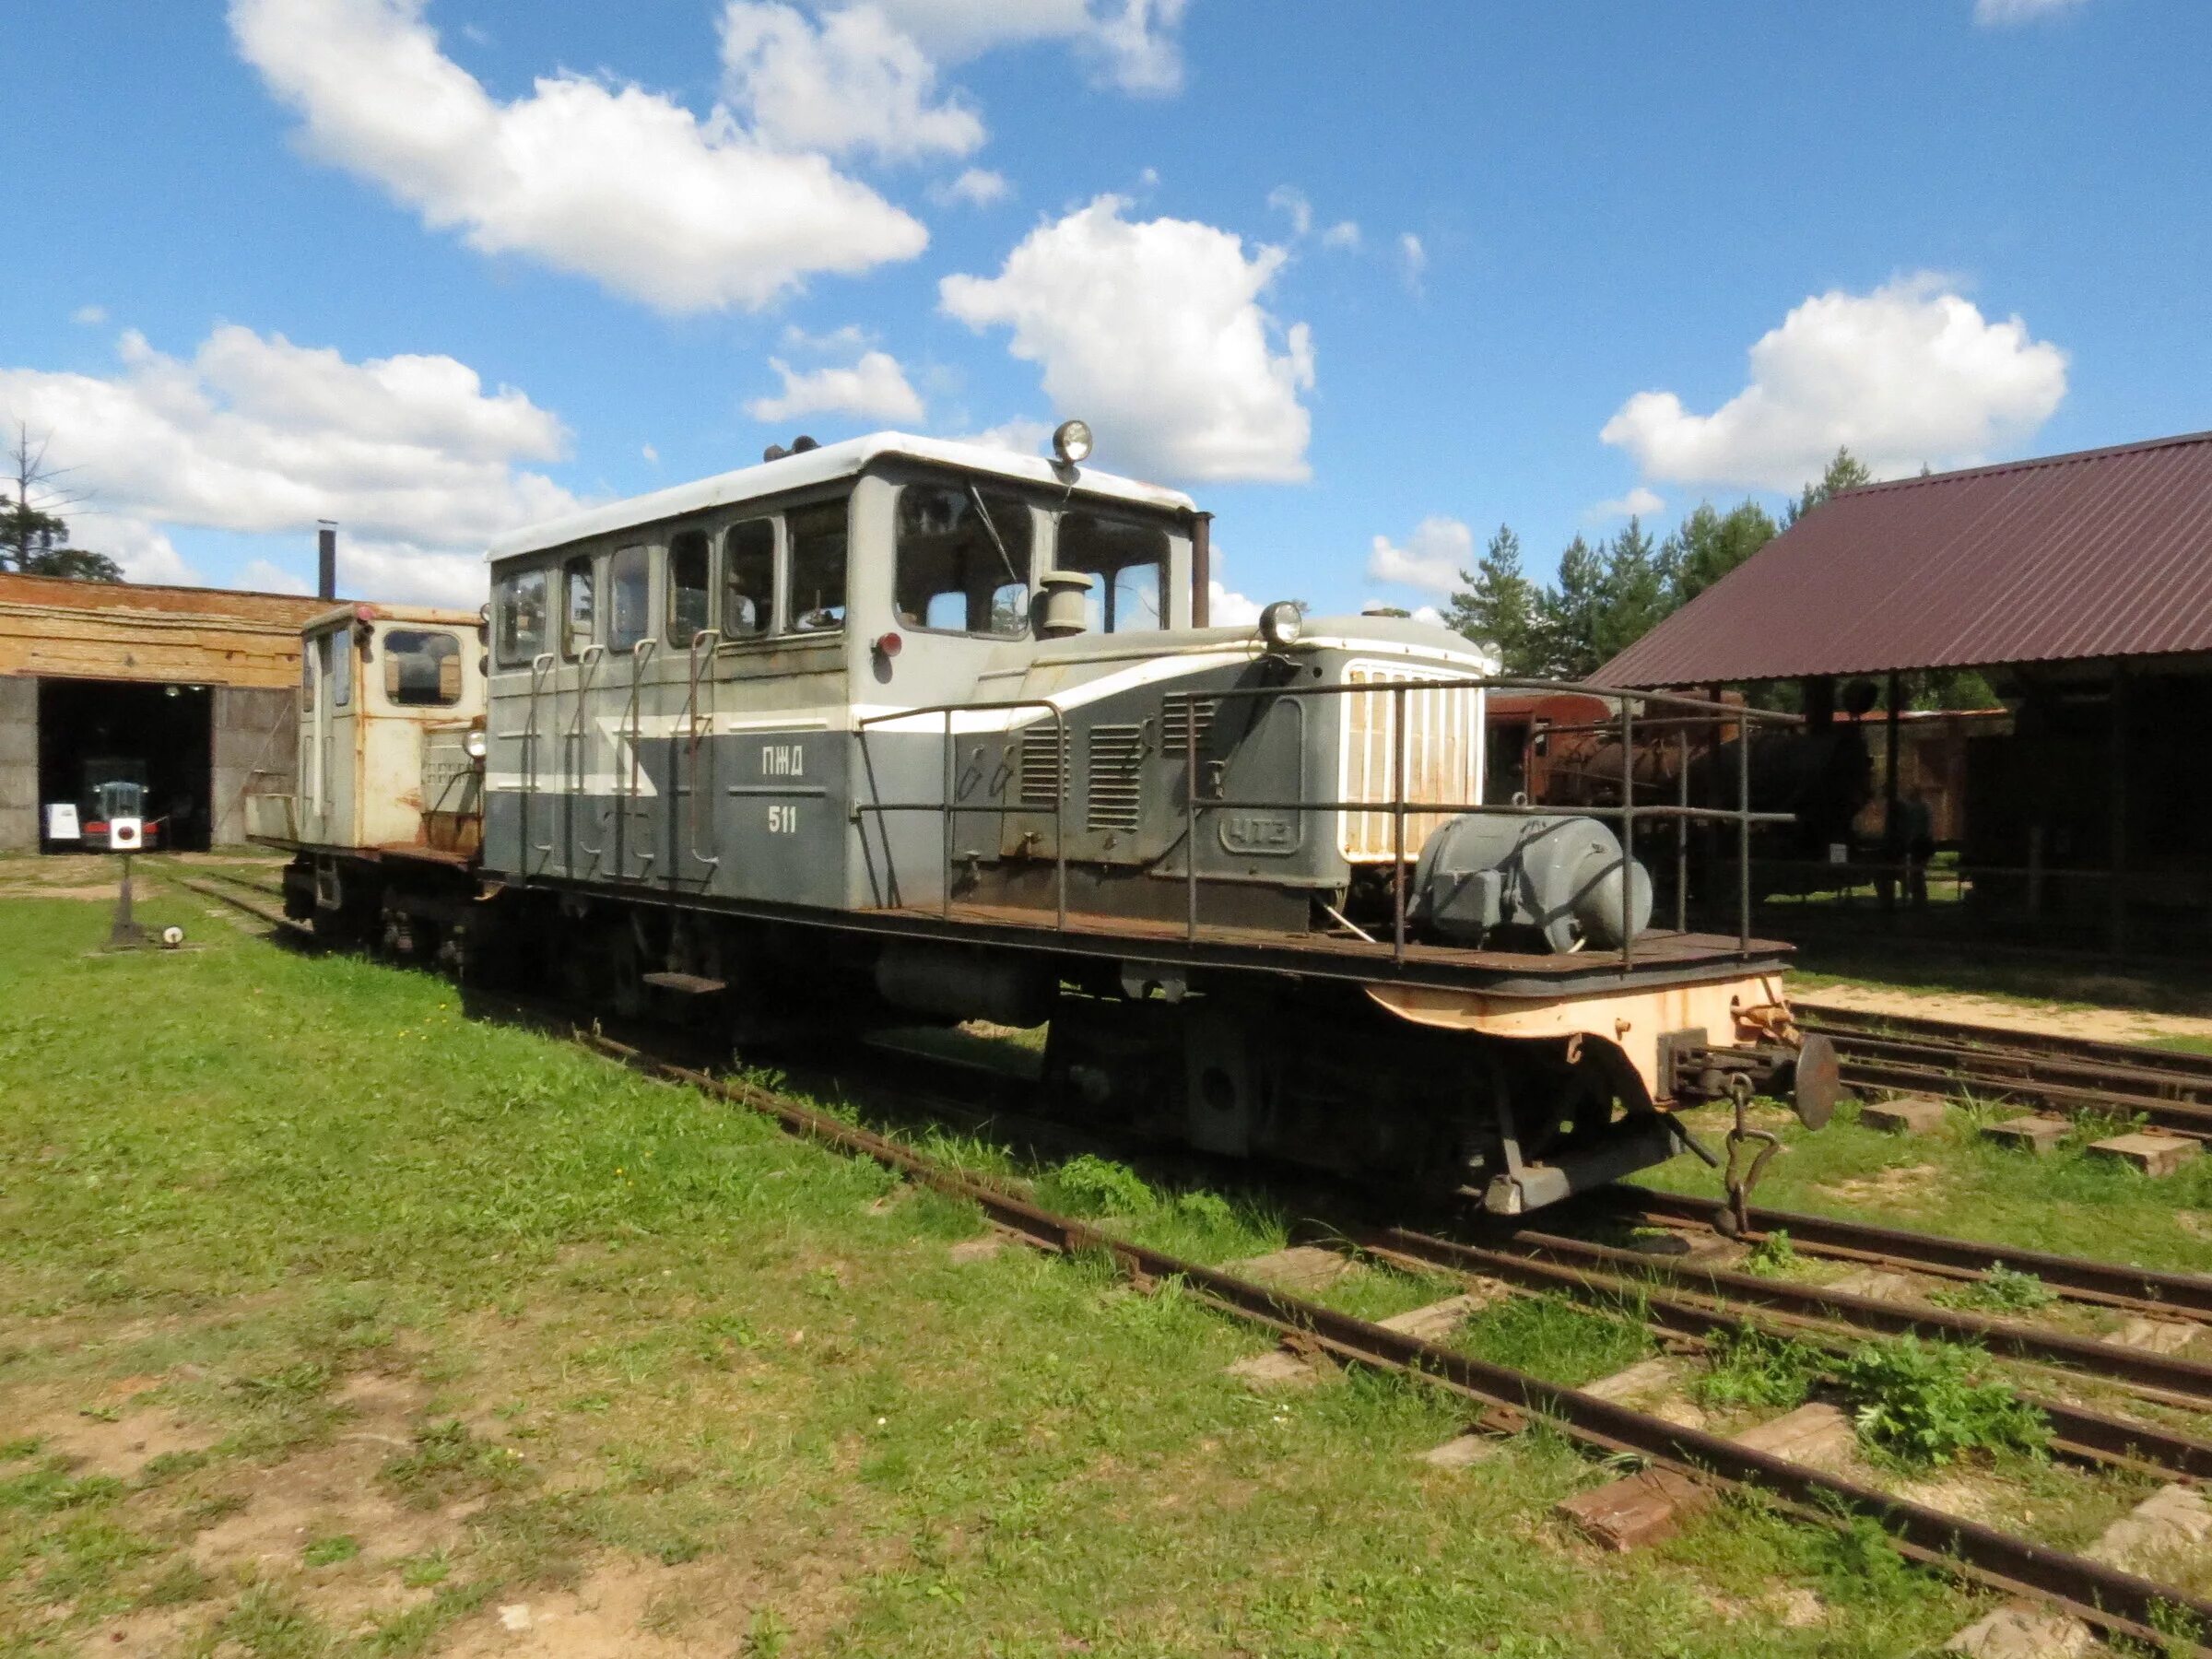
(18, 763)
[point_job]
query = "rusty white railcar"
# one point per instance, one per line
(900, 728)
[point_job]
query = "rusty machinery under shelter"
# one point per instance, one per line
(190, 693)
(2079, 813)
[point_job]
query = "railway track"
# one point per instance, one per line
(2069, 1076)
(1687, 1301)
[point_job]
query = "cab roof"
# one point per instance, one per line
(826, 464)
(362, 611)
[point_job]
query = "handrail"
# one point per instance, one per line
(1197, 805)
(949, 807)
(587, 661)
(540, 666)
(712, 638)
(640, 653)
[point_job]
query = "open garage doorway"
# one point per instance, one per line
(94, 732)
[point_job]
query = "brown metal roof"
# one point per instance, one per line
(2103, 553)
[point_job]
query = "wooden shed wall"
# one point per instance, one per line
(190, 636)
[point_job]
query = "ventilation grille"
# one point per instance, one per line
(1175, 716)
(1043, 764)
(1117, 777)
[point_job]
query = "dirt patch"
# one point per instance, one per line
(624, 1608)
(141, 890)
(1887, 1186)
(121, 1448)
(2100, 1024)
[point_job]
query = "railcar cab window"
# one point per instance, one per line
(1130, 562)
(630, 597)
(964, 560)
(337, 665)
(749, 591)
(818, 538)
(422, 668)
(522, 617)
(579, 608)
(690, 595)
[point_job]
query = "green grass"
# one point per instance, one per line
(637, 1336)
(1951, 1181)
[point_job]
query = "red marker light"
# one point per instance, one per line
(889, 645)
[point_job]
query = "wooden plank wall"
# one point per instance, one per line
(189, 636)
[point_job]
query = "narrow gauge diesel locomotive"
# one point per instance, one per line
(898, 729)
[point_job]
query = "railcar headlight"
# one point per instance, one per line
(475, 742)
(1280, 623)
(1071, 442)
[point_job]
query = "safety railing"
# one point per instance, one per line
(1674, 712)
(948, 804)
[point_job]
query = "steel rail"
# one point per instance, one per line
(1952, 1074)
(2032, 1066)
(2006, 1038)
(2108, 1283)
(2162, 1376)
(2077, 1432)
(238, 900)
(2105, 1598)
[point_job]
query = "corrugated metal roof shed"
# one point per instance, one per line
(2100, 554)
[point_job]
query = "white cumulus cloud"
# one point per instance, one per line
(92, 316)
(873, 388)
(975, 187)
(613, 183)
(1431, 558)
(1413, 261)
(1291, 201)
(1131, 44)
(265, 576)
(254, 434)
(1995, 14)
(1909, 373)
(849, 81)
(1344, 234)
(1640, 502)
(1153, 331)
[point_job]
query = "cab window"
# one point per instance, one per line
(818, 538)
(578, 610)
(1130, 562)
(337, 648)
(687, 589)
(422, 668)
(964, 560)
(749, 591)
(522, 617)
(630, 597)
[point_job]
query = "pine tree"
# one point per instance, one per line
(1573, 612)
(34, 538)
(1498, 607)
(1709, 544)
(1846, 471)
(1636, 596)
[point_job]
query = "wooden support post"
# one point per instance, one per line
(2118, 880)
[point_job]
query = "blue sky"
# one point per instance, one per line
(435, 268)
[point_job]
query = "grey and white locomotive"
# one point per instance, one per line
(900, 729)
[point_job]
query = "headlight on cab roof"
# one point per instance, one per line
(1280, 624)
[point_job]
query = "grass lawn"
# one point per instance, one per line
(334, 1323)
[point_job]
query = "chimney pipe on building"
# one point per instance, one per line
(327, 559)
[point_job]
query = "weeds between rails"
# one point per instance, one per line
(2115, 1602)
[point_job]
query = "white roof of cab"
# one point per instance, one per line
(822, 465)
